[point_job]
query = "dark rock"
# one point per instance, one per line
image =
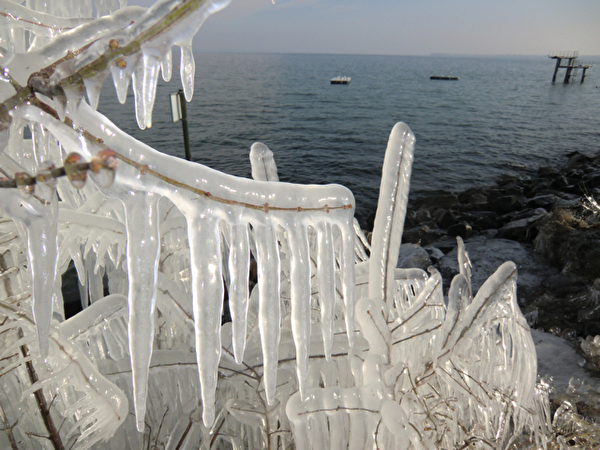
(473, 195)
(561, 284)
(568, 242)
(435, 254)
(591, 180)
(560, 182)
(592, 328)
(504, 204)
(423, 215)
(469, 207)
(505, 218)
(421, 235)
(547, 172)
(515, 190)
(446, 245)
(411, 220)
(576, 189)
(536, 187)
(522, 227)
(413, 256)
(576, 159)
(535, 214)
(494, 194)
(434, 202)
(489, 234)
(543, 201)
(575, 176)
(517, 230)
(447, 220)
(482, 220)
(462, 229)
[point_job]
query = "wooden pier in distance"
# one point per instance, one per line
(571, 62)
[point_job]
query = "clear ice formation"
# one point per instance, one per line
(173, 238)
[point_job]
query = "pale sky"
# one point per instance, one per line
(403, 27)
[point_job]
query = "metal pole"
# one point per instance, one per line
(568, 74)
(184, 125)
(558, 60)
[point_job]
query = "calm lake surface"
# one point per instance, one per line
(504, 115)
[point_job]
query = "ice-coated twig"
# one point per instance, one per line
(391, 211)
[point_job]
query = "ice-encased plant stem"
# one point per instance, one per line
(176, 236)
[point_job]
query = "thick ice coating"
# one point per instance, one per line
(391, 210)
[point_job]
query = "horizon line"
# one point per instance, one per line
(432, 54)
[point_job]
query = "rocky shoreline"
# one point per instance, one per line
(548, 224)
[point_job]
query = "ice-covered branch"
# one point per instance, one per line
(391, 210)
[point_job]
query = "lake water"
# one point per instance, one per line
(503, 116)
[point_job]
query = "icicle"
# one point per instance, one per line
(43, 255)
(143, 251)
(326, 280)
(263, 163)
(145, 77)
(269, 314)
(391, 210)
(187, 70)
(207, 296)
(93, 86)
(166, 66)
(40, 222)
(347, 269)
(300, 299)
(458, 301)
(239, 265)
(464, 263)
(121, 81)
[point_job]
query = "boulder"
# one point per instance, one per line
(547, 172)
(591, 180)
(482, 220)
(445, 245)
(421, 235)
(520, 228)
(504, 204)
(447, 220)
(462, 229)
(435, 254)
(473, 196)
(413, 256)
(543, 201)
(433, 202)
(560, 182)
